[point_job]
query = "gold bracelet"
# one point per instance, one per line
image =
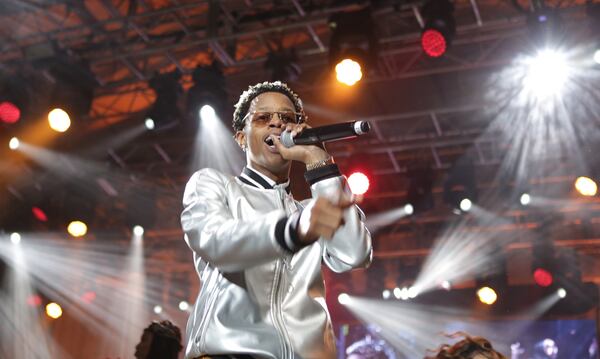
(322, 163)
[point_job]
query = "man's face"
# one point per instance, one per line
(261, 154)
(143, 348)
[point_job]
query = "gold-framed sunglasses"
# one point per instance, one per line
(285, 116)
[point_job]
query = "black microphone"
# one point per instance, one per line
(313, 136)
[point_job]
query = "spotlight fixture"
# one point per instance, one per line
(597, 56)
(561, 292)
(547, 73)
(543, 266)
(586, 186)
(9, 112)
(164, 111)
(53, 310)
(460, 189)
(525, 199)
(420, 185)
(149, 124)
(348, 71)
(208, 89)
(15, 98)
(343, 298)
(359, 183)
(77, 229)
(138, 231)
(353, 49)
(74, 84)
(157, 309)
(386, 294)
(446, 285)
(465, 205)
(59, 120)
(408, 209)
(487, 295)
(14, 143)
(15, 238)
(183, 306)
(440, 27)
(283, 66)
(207, 114)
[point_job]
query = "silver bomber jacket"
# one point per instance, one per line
(255, 297)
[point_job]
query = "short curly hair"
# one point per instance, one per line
(467, 348)
(243, 104)
(166, 341)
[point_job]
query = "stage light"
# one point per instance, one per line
(283, 65)
(88, 296)
(208, 114)
(168, 90)
(77, 229)
(433, 43)
(183, 305)
(409, 209)
(386, 294)
(404, 295)
(348, 72)
(586, 186)
(9, 112)
(157, 309)
(14, 143)
(413, 292)
(547, 73)
(53, 310)
(542, 277)
(209, 89)
(561, 292)
(446, 285)
(39, 214)
(34, 300)
(397, 293)
(352, 49)
(525, 199)
(465, 205)
(440, 27)
(149, 123)
(487, 295)
(138, 231)
(15, 238)
(343, 298)
(421, 178)
(597, 56)
(359, 183)
(59, 120)
(544, 263)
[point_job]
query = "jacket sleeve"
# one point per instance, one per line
(350, 247)
(216, 236)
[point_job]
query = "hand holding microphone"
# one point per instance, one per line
(335, 132)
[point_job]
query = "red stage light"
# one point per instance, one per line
(39, 214)
(359, 183)
(542, 277)
(34, 300)
(433, 42)
(9, 112)
(88, 296)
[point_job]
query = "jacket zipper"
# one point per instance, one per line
(276, 300)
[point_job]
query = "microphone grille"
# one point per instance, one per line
(286, 139)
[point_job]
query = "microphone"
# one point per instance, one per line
(338, 131)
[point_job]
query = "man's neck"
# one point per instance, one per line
(278, 177)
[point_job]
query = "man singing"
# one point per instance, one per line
(257, 251)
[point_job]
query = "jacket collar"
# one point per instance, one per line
(256, 179)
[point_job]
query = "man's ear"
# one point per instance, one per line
(240, 138)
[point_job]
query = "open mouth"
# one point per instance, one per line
(269, 141)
